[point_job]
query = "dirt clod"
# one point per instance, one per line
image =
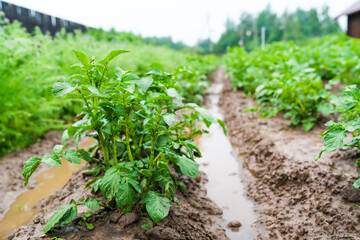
(128, 219)
(163, 233)
(234, 224)
(115, 216)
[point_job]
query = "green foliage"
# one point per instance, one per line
(113, 36)
(83, 220)
(288, 78)
(165, 41)
(64, 215)
(133, 119)
(148, 225)
(29, 167)
(192, 79)
(92, 204)
(187, 167)
(156, 205)
(347, 106)
(30, 65)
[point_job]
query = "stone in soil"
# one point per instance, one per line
(234, 224)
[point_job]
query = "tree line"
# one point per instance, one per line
(290, 26)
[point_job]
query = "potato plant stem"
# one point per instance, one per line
(101, 139)
(152, 154)
(114, 149)
(151, 160)
(128, 147)
(105, 150)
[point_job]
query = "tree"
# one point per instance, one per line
(328, 25)
(229, 38)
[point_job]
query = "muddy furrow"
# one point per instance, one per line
(297, 197)
(12, 181)
(197, 217)
(193, 219)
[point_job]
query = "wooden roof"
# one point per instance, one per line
(350, 10)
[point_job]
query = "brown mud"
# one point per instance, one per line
(193, 219)
(297, 198)
(12, 181)
(45, 182)
(196, 217)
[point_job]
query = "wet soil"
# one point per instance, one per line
(194, 218)
(12, 181)
(297, 197)
(45, 182)
(225, 185)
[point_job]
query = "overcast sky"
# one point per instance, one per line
(183, 20)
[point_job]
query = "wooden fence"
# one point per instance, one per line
(30, 19)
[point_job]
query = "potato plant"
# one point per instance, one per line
(142, 129)
(192, 78)
(348, 108)
(286, 78)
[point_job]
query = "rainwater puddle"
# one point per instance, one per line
(47, 182)
(223, 172)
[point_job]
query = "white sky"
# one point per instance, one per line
(184, 20)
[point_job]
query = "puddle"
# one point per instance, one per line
(47, 182)
(223, 171)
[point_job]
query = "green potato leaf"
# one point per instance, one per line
(92, 204)
(64, 215)
(72, 156)
(96, 92)
(61, 89)
(84, 155)
(51, 160)
(356, 184)
(110, 183)
(171, 92)
(125, 195)
(111, 55)
(222, 124)
(81, 57)
(156, 205)
(334, 139)
(29, 167)
(169, 118)
(187, 166)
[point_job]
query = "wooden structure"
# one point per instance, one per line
(30, 19)
(353, 13)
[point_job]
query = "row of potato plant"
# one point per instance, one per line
(141, 127)
(288, 78)
(298, 81)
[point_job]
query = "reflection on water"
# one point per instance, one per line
(47, 182)
(223, 171)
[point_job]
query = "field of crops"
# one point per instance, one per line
(138, 119)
